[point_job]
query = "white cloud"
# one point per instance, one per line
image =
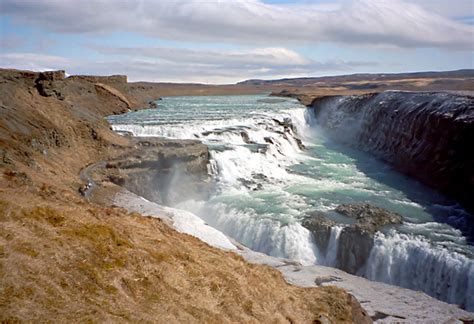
(374, 22)
(34, 62)
(451, 8)
(276, 56)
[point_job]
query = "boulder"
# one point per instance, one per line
(368, 217)
(245, 137)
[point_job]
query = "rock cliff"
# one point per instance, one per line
(163, 171)
(426, 135)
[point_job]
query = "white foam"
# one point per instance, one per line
(266, 235)
(412, 262)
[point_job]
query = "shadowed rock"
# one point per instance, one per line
(426, 135)
(321, 227)
(163, 171)
(356, 240)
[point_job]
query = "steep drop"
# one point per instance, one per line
(429, 136)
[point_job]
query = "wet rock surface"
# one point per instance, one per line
(321, 227)
(355, 241)
(354, 249)
(368, 217)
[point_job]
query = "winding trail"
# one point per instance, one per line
(85, 176)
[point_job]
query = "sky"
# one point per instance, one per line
(226, 41)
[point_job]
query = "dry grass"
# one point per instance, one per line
(64, 262)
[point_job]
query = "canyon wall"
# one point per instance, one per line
(429, 136)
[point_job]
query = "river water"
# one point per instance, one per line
(266, 183)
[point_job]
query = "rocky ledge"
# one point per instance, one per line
(157, 165)
(355, 240)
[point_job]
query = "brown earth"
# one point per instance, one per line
(63, 258)
(307, 89)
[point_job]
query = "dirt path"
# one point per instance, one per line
(85, 176)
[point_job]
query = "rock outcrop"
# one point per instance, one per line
(355, 241)
(100, 79)
(163, 171)
(47, 85)
(426, 135)
(321, 228)
(368, 217)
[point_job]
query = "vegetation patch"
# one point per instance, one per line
(50, 215)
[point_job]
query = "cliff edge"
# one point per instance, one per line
(427, 135)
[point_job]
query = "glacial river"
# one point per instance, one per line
(266, 183)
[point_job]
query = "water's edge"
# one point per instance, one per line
(389, 302)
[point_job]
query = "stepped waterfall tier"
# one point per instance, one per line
(281, 185)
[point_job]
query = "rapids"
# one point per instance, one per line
(266, 183)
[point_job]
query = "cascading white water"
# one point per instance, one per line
(265, 186)
(333, 246)
(412, 262)
(269, 236)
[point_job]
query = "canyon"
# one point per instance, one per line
(139, 267)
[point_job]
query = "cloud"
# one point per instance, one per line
(34, 62)
(181, 65)
(372, 22)
(247, 58)
(11, 42)
(451, 8)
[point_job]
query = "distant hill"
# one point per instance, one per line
(465, 73)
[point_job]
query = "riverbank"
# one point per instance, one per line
(65, 258)
(383, 303)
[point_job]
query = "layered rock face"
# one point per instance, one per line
(429, 136)
(164, 171)
(355, 241)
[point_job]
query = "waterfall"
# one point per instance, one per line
(291, 241)
(412, 262)
(266, 183)
(333, 246)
